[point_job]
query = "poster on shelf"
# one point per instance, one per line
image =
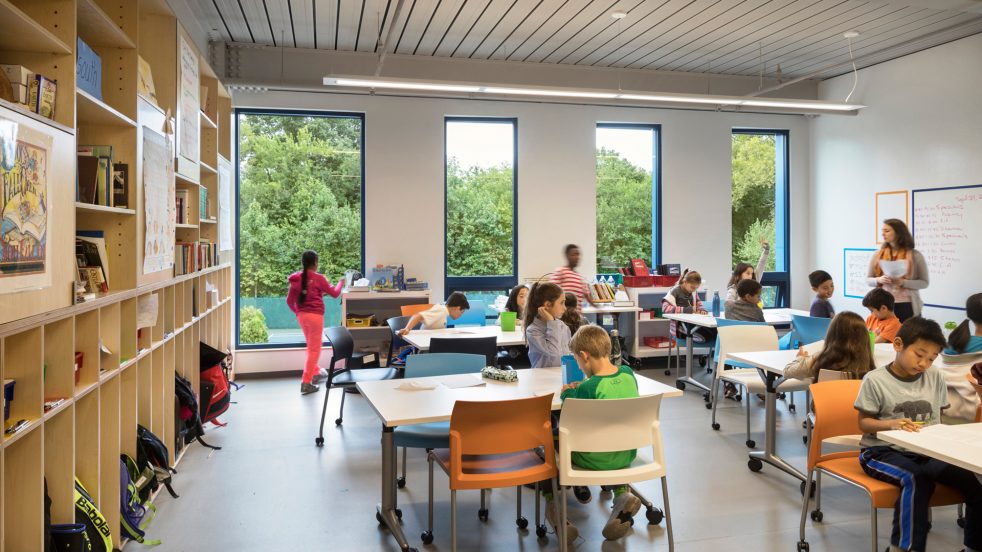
(158, 201)
(24, 207)
(224, 205)
(188, 139)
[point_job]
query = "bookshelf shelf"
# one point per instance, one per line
(20, 33)
(93, 111)
(208, 221)
(79, 206)
(96, 28)
(206, 168)
(44, 120)
(185, 181)
(186, 226)
(206, 120)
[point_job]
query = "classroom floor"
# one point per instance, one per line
(270, 488)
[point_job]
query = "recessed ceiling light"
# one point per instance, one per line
(618, 14)
(850, 34)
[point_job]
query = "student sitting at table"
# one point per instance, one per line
(683, 299)
(591, 347)
(516, 300)
(572, 317)
(881, 320)
(909, 394)
(962, 341)
(846, 349)
(435, 317)
(964, 352)
(545, 332)
(746, 306)
(746, 271)
(824, 287)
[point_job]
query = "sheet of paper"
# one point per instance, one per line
(475, 381)
(146, 311)
(416, 385)
(894, 269)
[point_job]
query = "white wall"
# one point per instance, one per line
(923, 129)
(556, 179)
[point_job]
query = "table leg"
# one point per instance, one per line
(387, 513)
(769, 454)
(687, 379)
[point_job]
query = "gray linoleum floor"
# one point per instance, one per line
(271, 489)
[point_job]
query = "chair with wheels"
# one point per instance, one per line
(437, 434)
(354, 371)
(841, 440)
(495, 444)
(611, 425)
(835, 416)
(474, 316)
(739, 339)
(409, 310)
(487, 346)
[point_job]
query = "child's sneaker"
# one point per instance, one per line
(582, 494)
(552, 516)
(729, 390)
(619, 523)
(308, 388)
(321, 376)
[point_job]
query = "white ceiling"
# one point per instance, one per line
(737, 37)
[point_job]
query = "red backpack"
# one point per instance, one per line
(214, 385)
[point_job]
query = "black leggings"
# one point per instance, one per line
(904, 311)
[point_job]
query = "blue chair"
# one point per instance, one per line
(474, 316)
(433, 435)
(809, 329)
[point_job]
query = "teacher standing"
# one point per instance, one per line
(898, 246)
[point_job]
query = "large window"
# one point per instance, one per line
(628, 195)
(481, 224)
(760, 206)
(300, 183)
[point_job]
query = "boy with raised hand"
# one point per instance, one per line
(908, 395)
(591, 347)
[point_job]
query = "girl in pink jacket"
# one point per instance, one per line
(307, 288)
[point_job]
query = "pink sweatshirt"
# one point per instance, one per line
(317, 286)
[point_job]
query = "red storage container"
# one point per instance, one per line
(639, 281)
(666, 281)
(657, 342)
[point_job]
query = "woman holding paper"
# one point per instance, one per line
(900, 269)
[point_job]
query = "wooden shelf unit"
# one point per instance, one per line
(127, 373)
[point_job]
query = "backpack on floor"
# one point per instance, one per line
(133, 518)
(150, 450)
(69, 537)
(143, 477)
(214, 385)
(96, 526)
(190, 427)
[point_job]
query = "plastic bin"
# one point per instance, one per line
(639, 281)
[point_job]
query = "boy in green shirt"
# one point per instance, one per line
(591, 347)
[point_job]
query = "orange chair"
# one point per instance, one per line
(409, 310)
(978, 390)
(835, 416)
(493, 445)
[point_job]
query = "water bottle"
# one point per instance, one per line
(716, 304)
(615, 347)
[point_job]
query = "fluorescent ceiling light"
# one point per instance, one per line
(810, 106)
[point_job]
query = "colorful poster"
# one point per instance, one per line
(188, 140)
(224, 205)
(24, 260)
(158, 201)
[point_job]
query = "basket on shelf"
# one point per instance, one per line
(639, 281)
(359, 320)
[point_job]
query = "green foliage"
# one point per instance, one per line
(479, 220)
(749, 247)
(252, 326)
(623, 209)
(753, 196)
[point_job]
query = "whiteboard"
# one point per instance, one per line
(948, 230)
(889, 205)
(855, 266)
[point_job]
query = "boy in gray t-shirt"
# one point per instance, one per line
(909, 394)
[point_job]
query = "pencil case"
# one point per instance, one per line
(497, 374)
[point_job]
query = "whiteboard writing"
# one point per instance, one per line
(855, 264)
(948, 230)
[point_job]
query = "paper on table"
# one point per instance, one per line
(416, 385)
(474, 381)
(894, 269)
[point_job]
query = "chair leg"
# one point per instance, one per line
(668, 514)
(561, 495)
(341, 411)
(805, 500)
(520, 520)
(453, 520)
(872, 526)
(750, 442)
(327, 393)
(538, 513)
(818, 491)
(402, 480)
(714, 397)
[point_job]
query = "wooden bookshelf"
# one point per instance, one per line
(127, 372)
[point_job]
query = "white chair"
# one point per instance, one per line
(613, 425)
(744, 339)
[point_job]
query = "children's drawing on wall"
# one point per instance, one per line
(158, 193)
(23, 207)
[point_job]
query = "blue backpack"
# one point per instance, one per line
(133, 508)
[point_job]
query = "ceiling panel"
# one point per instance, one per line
(738, 37)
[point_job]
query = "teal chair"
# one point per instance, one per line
(809, 329)
(437, 434)
(474, 316)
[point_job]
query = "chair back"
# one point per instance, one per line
(978, 391)
(611, 425)
(443, 364)
(409, 310)
(809, 329)
(743, 338)
(499, 427)
(723, 322)
(832, 375)
(341, 342)
(473, 316)
(485, 346)
(835, 415)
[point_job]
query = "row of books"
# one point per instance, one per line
(192, 257)
(182, 205)
(98, 180)
(32, 90)
(91, 265)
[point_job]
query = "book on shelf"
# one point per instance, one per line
(91, 254)
(121, 185)
(203, 203)
(88, 70)
(194, 256)
(20, 78)
(94, 177)
(41, 98)
(182, 206)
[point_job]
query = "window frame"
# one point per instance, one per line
(780, 278)
(481, 283)
(656, 187)
(296, 113)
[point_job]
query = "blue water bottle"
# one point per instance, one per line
(716, 304)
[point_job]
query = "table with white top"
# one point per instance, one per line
(958, 445)
(396, 407)
(421, 338)
(773, 317)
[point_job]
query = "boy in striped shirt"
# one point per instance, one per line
(569, 279)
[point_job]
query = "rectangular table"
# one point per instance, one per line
(396, 407)
(773, 317)
(958, 445)
(421, 338)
